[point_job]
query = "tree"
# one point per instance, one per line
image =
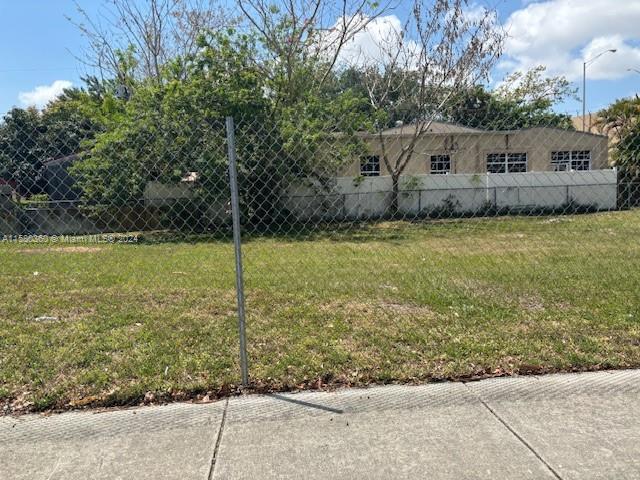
(523, 100)
(622, 121)
(154, 32)
(29, 137)
(396, 106)
(21, 149)
(299, 50)
(300, 45)
(441, 50)
(534, 87)
(168, 130)
(164, 129)
(68, 122)
(478, 107)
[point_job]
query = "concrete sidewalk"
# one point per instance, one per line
(583, 426)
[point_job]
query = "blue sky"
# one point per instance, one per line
(35, 39)
(37, 45)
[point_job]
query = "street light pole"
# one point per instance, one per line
(584, 95)
(584, 85)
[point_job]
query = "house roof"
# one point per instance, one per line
(443, 128)
(60, 161)
(435, 127)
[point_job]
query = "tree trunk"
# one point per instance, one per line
(394, 208)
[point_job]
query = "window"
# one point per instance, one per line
(370, 166)
(561, 161)
(496, 162)
(440, 164)
(507, 163)
(571, 160)
(516, 162)
(581, 160)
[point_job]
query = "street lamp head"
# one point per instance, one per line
(593, 59)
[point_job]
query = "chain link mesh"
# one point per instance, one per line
(172, 178)
(373, 251)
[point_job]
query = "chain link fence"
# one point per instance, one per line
(339, 222)
(175, 180)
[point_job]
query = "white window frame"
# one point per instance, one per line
(507, 160)
(364, 160)
(440, 172)
(566, 164)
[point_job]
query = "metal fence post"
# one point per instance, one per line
(235, 214)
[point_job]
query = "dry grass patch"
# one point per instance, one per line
(381, 307)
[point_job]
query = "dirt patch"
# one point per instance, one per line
(532, 303)
(379, 307)
(72, 314)
(478, 289)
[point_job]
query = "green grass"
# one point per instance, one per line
(388, 302)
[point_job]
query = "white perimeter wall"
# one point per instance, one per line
(362, 197)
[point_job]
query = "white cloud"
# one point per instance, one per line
(369, 44)
(374, 44)
(610, 66)
(562, 34)
(476, 12)
(43, 94)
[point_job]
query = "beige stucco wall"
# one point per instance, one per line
(469, 151)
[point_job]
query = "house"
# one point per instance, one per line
(454, 167)
(455, 149)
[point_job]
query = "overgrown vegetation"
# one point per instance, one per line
(169, 71)
(622, 122)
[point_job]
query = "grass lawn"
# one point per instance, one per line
(388, 302)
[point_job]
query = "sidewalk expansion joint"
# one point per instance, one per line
(212, 466)
(515, 434)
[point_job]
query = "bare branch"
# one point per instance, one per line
(440, 51)
(159, 30)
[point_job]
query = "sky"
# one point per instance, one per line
(39, 46)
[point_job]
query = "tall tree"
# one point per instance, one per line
(535, 87)
(523, 100)
(621, 120)
(155, 32)
(440, 50)
(21, 149)
(478, 107)
(169, 129)
(302, 40)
